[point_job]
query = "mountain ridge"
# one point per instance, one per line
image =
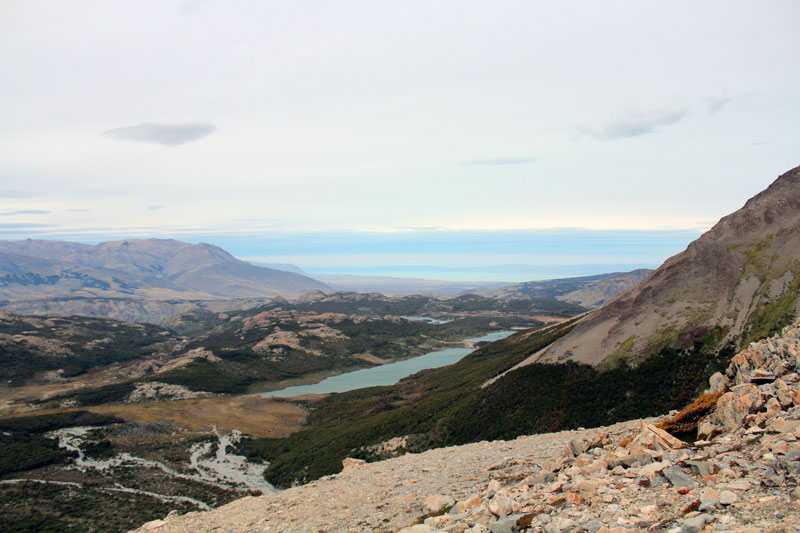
(143, 268)
(586, 291)
(734, 277)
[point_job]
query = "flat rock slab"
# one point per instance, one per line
(678, 478)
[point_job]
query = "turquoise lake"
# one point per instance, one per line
(388, 374)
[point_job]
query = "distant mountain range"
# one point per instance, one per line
(153, 269)
(285, 267)
(154, 280)
(586, 291)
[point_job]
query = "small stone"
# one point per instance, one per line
(593, 526)
(727, 497)
(653, 469)
(505, 525)
(563, 523)
(439, 522)
(773, 407)
(576, 447)
(613, 509)
(465, 505)
(585, 488)
(709, 494)
(718, 383)
(761, 375)
(501, 506)
(678, 477)
(418, 528)
(437, 502)
(693, 525)
(708, 506)
(704, 468)
(555, 487)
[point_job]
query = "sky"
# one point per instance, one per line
(360, 132)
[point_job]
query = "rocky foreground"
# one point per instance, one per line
(743, 475)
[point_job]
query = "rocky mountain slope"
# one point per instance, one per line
(586, 291)
(630, 476)
(741, 279)
(152, 269)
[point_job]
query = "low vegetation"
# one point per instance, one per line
(23, 445)
(72, 346)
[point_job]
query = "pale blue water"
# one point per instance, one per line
(386, 374)
(426, 319)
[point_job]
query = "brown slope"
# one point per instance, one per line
(742, 275)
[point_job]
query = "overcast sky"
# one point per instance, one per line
(210, 117)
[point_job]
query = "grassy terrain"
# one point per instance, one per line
(252, 415)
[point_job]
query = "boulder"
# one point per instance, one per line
(501, 506)
(437, 502)
(678, 478)
(652, 438)
(718, 383)
(349, 463)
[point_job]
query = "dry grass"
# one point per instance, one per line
(253, 415)
(689, 417)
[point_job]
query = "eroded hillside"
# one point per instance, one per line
(742, 277)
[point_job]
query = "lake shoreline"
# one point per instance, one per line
(387, 374)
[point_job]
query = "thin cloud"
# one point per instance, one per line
(163, 134)
(636, 125)
(25, 212)
(24, 226)
(502, 161)
(13, 193)
(191, 6)
(155, 207)
(714, 105)
(77, 210)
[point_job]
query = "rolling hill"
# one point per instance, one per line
(55, 276)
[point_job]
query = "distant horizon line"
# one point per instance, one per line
(463, 274)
